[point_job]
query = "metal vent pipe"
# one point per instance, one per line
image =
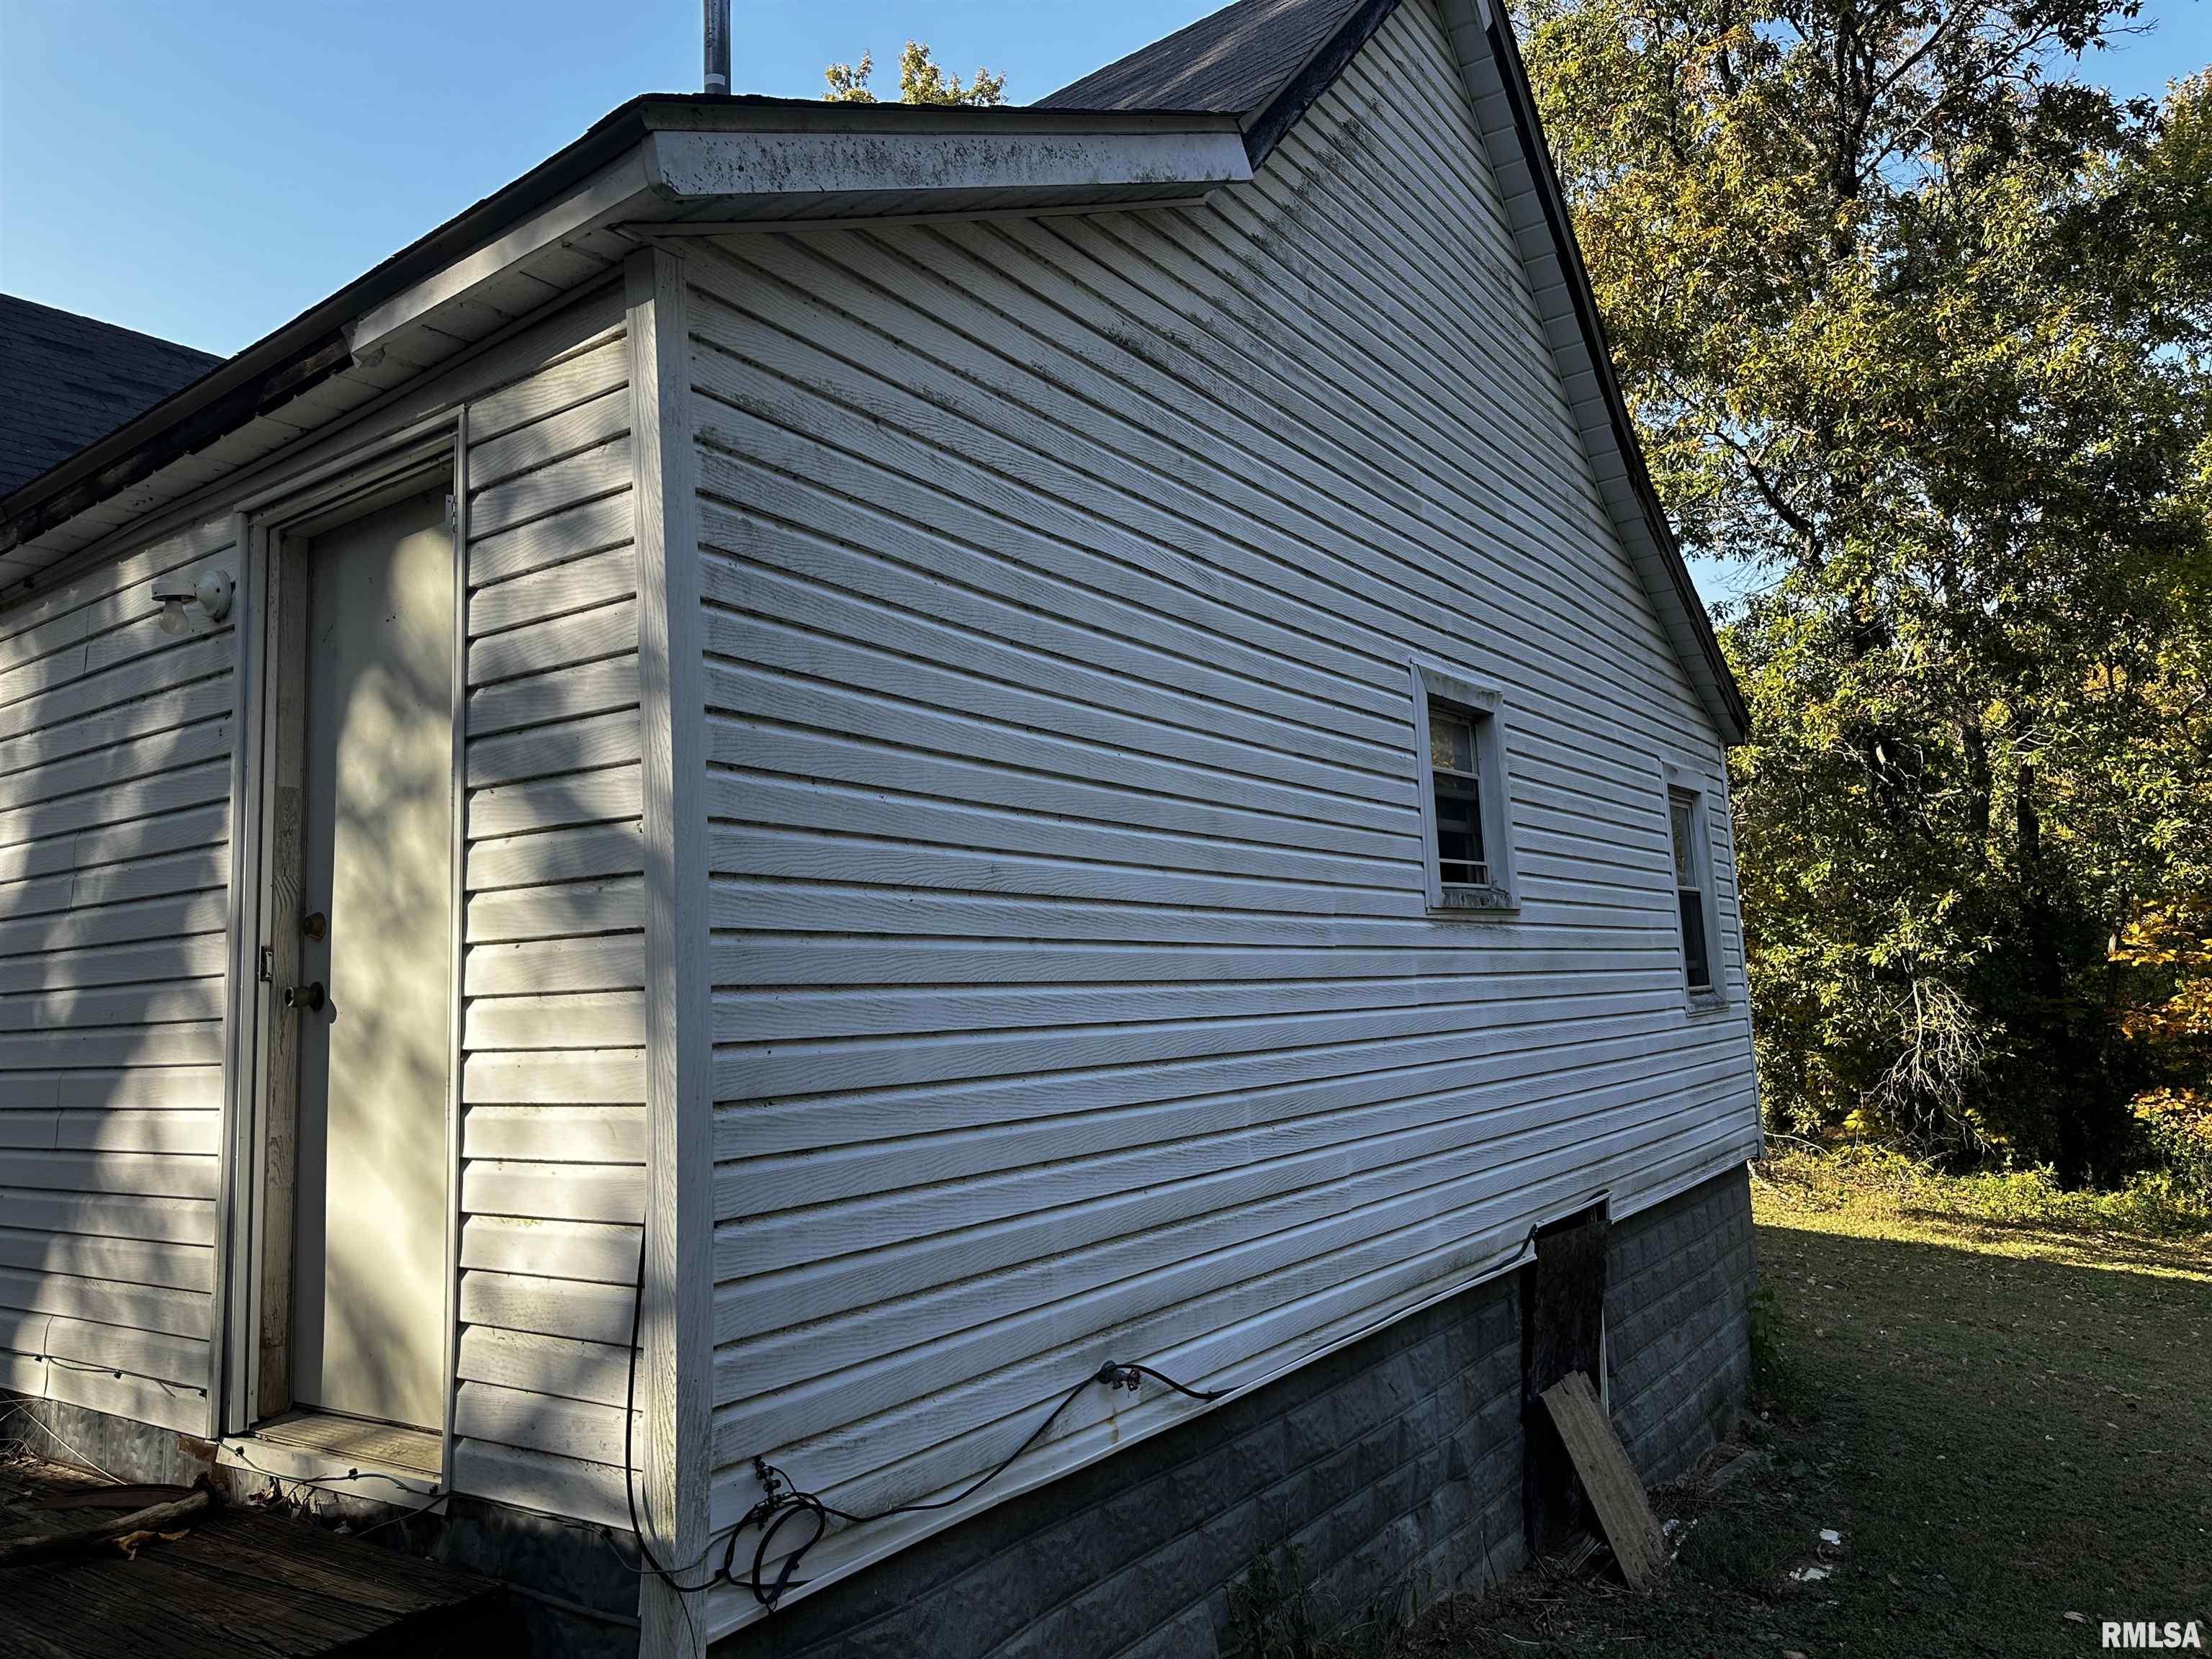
(718, 45)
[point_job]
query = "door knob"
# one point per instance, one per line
(306, 996)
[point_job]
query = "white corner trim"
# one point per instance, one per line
(676, 1358)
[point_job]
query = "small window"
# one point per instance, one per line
(1461, 746)
(1692, 882)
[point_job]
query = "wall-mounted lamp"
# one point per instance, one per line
(210, 592)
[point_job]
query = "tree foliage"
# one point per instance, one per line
(1914, 321)
(920, 82)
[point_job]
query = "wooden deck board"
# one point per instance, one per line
(106, 1604)
(243, 1583)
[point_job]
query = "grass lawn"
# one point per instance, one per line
(2007, 1418)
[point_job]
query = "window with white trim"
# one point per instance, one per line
(1460, 745)
(1694, 888)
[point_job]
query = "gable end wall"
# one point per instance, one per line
(1076, 995)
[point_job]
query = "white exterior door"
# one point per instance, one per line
(369, 1240)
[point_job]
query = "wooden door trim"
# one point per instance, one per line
(260, 1081)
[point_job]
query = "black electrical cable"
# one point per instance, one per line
(109, 1370)
(629, 1485)
(331, 1481)
(667, 1576)
(784, 1502)
(1130, 1373)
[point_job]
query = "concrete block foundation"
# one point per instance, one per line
(1391, 1468)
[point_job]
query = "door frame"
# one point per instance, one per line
(260, 1067)
(1556, 1290)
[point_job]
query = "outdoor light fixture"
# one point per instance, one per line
(210, 592)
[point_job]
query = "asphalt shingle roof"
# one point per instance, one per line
(1233, 62)
(66, 380)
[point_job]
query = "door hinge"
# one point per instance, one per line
(266, 973)
(453, 513)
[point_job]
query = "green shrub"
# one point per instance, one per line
(2176, 1132)
(2172, 1198)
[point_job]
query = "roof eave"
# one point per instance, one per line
(291, 358)
(656, 161)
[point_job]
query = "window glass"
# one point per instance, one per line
(1458, 797)
(1690, 887)
(1685, 842)
(1693, 940)
(1459, 830)
(1451, 742)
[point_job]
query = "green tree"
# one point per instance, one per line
(1914, 323)
(920, 82)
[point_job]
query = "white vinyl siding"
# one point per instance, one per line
(116, 742)
(553, 1121)
(1077, 994)
(115, 781)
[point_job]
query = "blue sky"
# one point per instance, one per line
(206, 172)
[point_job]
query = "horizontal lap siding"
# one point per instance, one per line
(1076, 994)
(116, 745)
(552, 1144)
(115, 776)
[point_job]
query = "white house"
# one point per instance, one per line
(974, 744)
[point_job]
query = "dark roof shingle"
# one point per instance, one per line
(1233, 62)
(66, 380)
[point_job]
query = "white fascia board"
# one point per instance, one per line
(622, 189)
(672, 173)
(691, 165)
